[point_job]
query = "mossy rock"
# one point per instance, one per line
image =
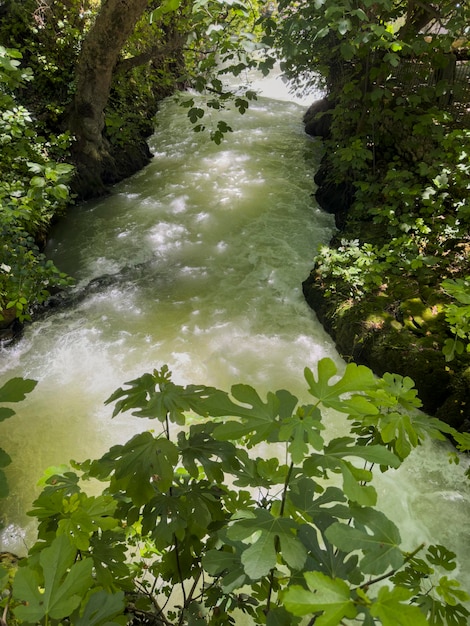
(402, 336)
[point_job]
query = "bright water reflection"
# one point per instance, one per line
(197, 261)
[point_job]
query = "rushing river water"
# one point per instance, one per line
(197, 262)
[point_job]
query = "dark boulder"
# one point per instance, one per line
(317, 118)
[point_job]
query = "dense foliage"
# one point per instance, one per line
(399, 137)
(177, 44)
(201, 525)
(33, 189)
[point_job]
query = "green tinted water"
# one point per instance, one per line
(197, 262)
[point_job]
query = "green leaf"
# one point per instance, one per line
(392, 608)
(4, 461)
(195, 114)
(213, 455)
(353, 477)
(375, 535)
(279, 616)
(86, 515)
(37, 181)
(15, 389)
(441, 556)
(449, 590)
(4, 458)
(101, 608)
(355, 378)
(225, 564)
(397, 428)
(263, 530)
(344, 26)
(140, 467)
(172, 401)
(260, 558)
(259, 419)
(302, 430)
(64, 581)
(5, 413)
(331, 597)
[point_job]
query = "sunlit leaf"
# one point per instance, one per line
(355, 378)
(64, 583)
(331, 597)
(392, 608)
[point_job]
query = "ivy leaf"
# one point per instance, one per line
(64, 583)
(241, 104)
(392, 609)
(331, 597)
(195, 114)
(15, 389)
(375, 535)
(101, 608)
(140, 466)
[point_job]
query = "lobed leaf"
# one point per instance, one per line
(393, 609)
(325, 595)
(59, 589)
(374, 534)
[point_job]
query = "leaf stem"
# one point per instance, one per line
(393, 571)
(277, 542)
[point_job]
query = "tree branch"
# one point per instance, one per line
(155, 54)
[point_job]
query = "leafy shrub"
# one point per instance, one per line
(33, 190)
(200, 525)
(457, 316)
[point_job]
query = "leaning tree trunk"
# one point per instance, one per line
(100, 52)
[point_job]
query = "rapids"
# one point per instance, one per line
(196, 261)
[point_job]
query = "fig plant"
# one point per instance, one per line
(236, 508)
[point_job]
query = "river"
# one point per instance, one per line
(197, 262)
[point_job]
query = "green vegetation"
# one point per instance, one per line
(57, 109)
(33, 189)
(194, 527)
(396, 173)
(199, 526)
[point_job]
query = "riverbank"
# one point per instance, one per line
(397, 324)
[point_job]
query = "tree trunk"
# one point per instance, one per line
(99, 55)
